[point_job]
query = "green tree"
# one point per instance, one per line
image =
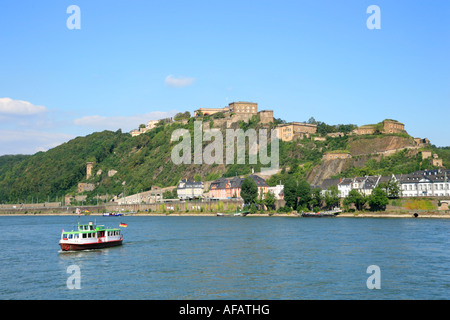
(249, 190)
(290, 193)
(304, 194)
(316, 199)
(393, 189)
(378, 200)
(332, 199)
(270, 199)
(355, 197)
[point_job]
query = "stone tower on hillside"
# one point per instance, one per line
(89, 167)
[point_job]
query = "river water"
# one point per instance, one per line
(229, 258)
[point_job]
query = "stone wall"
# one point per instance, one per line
(336, 155)
(243, 107)
(266, 116)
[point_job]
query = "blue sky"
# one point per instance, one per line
(134, 61)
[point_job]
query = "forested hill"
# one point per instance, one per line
(140, 162)
(145, 161)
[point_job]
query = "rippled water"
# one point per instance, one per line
(229, 258)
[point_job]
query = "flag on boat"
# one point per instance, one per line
(123, 225)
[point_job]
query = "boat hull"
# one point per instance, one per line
(89, 246)
(318, 215)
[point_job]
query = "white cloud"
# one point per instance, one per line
(9, 106)
(30, 141)
(179, 82)
(100, 123)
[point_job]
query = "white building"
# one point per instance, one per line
(344, 187)
(189, 190)
(426, 183)
(364, 185)
(278, 191)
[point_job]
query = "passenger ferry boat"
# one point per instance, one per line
(90, 236)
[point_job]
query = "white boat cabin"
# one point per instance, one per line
(90, 233)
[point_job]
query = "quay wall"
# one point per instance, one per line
(161, 207)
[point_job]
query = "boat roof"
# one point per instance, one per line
(96, 228)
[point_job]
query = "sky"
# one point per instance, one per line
(134, 61)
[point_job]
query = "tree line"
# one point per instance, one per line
(299, 195)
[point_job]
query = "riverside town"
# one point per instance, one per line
(224, 158)
(298, 168)
(245, 155)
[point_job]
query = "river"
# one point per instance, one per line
(223, 258)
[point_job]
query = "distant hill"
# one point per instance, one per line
(145, 161)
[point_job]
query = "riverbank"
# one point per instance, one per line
(419, 215)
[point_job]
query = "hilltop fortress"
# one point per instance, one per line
(245, 111)
(237, 111)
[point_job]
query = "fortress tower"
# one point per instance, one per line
(89, 166)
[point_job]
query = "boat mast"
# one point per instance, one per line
(79, 214)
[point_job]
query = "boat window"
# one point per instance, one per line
(70, 236)
(64, 235)
(84, 235)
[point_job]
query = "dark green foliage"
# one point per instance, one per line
(290, 193)
(332, 199)
(378, 200)
(249, 191)
(304, 195)
(269, 200)
(356, 198)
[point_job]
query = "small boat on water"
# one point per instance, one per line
(90, 236)
(234, 214)
(319, 214)
(112, 214)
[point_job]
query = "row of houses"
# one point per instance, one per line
(423, 183)
(225, 188)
